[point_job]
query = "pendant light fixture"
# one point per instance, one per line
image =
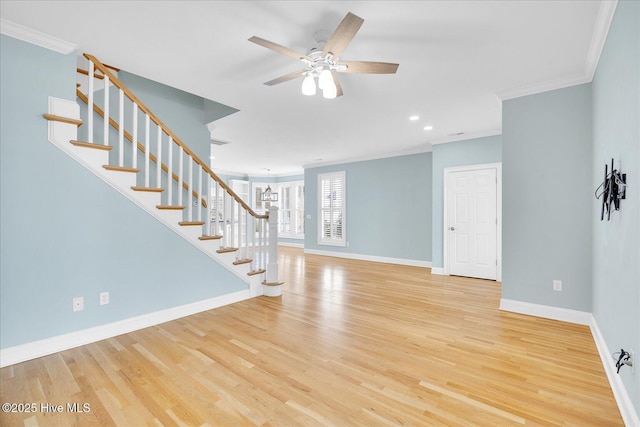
(269, 195)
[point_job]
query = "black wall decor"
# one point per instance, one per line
(612, 190)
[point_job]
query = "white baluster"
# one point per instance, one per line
(200, 198)
(90, 104)
(147, 148)
(225, 234)
(134, 143)
(120, 129)
(217, 206)
(105, 124)
(233, 222)
(180, 175)
(246, 234)
(209, 205)
(253, 241)
(189, 192)
(263, 232)
(170, 173)
(159, 160)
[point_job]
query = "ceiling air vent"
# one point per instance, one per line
(218, 142)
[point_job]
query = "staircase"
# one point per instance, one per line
(123, 143)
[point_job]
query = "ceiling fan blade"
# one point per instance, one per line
(368, 67)
(337, 83)
(278, 48)
(286, 77)
(343, 35)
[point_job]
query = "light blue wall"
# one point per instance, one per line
(184, 113)
(388, 203)
(547, 195)
(461, 153)
(616, 243)
(65, 233)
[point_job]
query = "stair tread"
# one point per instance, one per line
(148, 189)
(91, 145)
(53, 117)
(225, 250)
(254, 272)
(264, 282)
(120, 169)
(210, 237)
(168, 207)
(242, 261)
(189, 223)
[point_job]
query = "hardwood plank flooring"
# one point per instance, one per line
(349, 343)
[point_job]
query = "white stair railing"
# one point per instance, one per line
(220, 212)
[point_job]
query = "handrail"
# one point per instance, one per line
(86, 73)
(152, 156)
(114, 80)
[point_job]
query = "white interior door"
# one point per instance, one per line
(471, 223)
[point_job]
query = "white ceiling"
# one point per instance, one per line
(457, 60)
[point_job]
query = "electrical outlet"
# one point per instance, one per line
(104, 298)
(557, 285)
(78, 304)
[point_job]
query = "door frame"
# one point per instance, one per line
(445, 236)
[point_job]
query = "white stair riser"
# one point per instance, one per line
(191, 232)
(170, 215)
(96, 158)
(124, 180)
(149, 199)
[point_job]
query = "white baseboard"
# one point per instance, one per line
(291, 245)
(546, 311)
(32, 350)
(627, 410)
(400, 261)
(438, 270)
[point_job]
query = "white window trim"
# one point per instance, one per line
(333, 241)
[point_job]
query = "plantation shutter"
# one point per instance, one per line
(332, 209)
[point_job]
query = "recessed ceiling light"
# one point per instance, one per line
(428, 127)
(414, 118)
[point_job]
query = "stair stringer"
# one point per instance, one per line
(60, 134)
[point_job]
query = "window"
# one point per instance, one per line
(290, 203)
(331, 208)
(291, 214)
(258, 205)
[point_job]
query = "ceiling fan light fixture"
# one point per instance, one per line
(330, 91)
(325, 79)
(309, 85)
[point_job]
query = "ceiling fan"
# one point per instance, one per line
(322, 61)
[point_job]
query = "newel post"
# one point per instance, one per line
(272, 286)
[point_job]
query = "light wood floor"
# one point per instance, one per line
(350, 343)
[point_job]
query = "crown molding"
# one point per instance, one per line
(29, 35)
(544, 86)
(422, 148)
(467, 136)
(601, 30)
(603, 23)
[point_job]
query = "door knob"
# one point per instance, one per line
(452, 228)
